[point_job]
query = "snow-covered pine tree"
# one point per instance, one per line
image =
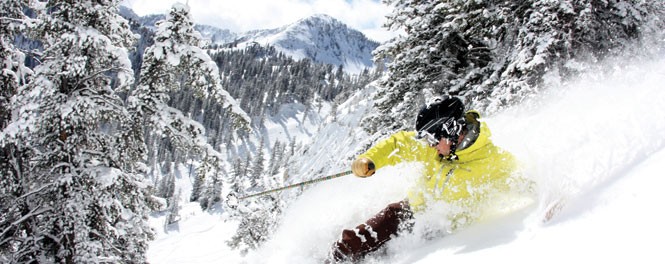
(84, 195)
(496, 53)
(14, 73)
(246, 180)
(428, 53)
(174, 209)
(280, 159)
(258, 167)
(292, 147)
(198, 186)
(14, 155)
(276, 158)
(257, 224)
(239, 169)
(565, 38)
(234, 186)
(213, 190)
(206, 188)
(271, 160)
(177, 62)
(248, 234)
(258, 217)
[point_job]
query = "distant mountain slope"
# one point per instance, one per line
(321, 38)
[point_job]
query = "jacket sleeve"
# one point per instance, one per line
(392, 150)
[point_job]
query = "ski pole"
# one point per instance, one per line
(300, 184)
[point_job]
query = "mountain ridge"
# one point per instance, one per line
(320, 38)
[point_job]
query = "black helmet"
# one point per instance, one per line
(443, 118)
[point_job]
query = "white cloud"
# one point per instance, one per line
(366, 16)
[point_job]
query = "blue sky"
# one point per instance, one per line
(367, 16)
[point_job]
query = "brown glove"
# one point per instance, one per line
(363, 167)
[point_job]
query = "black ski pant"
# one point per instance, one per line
(371, 235)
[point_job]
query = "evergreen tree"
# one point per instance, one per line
(246, 180)
(257, 224)
(84, 200)
(174, 64)
(14, 155)
(258, 168)
(276, 157)
(496, 53)
(174, 209)
(213, 193)
(258, 216)
(14, 73)
(199, 179)
(233, 181)
(239, 169)
(177, 62)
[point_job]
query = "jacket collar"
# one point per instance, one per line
(482, 138)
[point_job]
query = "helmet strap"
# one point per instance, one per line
(453, 147)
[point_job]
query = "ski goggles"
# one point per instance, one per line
(427, 138)
(444, 127)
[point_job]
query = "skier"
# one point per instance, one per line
(462, 168)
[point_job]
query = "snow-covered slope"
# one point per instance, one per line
(128, 13)
(216, 35)
(596, 144)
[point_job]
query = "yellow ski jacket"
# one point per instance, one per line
(481, 168)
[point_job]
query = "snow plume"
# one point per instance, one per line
(587, 133)
(317, 218)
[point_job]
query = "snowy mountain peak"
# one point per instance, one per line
(320, 19)
(321, 38)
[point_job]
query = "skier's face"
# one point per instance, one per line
(443, 147)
